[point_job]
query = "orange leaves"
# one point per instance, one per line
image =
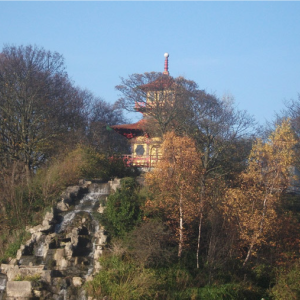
(175, 182)
(179, 165)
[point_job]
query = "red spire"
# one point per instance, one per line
(166, 71)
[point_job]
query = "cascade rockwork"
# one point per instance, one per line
(63, 252)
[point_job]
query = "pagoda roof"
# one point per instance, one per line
(130, 130)
(137, 126)
(161, 83)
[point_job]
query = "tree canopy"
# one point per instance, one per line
(38, 104)
(42, 111)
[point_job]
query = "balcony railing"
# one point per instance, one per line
(141, 161)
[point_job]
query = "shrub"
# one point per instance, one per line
(119, 168)
(287, 283)
(123, 212)
(93, 164)
(148, 243)
(122, 279)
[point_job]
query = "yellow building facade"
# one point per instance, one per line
(146, 151)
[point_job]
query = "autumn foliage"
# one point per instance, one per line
(253, 205)
(248, 226)
(244, 221)
(216, 218)
(175, 184)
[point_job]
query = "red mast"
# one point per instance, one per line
(166, 71)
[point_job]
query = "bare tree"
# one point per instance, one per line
(222, 134)
(164, 100)
(220, 131)
(292, 111)
(101, 136)
(38, 104)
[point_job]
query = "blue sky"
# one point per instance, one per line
(250, 50)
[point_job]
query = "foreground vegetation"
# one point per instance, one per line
(141, 260)
(123, 278)
(249, 246)
(216, 219)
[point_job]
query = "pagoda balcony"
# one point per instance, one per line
(140, 161)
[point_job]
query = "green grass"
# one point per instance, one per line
(32, 278)
(17, 239)
(123, 278)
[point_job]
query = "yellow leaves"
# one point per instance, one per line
(270, 162)
(252, 205)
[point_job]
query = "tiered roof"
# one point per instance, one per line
(164, 82)
(131, 130)
(161, 83)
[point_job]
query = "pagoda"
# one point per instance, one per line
(146, 146)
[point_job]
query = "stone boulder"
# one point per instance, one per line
(7, 267)
(115, 184)
(41, 228)
(62, 206)
(48, 219)
(77, 281)
(19, 289)
(24, 271)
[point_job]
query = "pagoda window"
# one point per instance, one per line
(159, 96)
(140, 150)
(151, 96)
(155, 96)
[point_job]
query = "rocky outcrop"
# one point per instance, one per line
(63, 251)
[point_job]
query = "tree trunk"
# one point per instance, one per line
(27, 172)
(199, 236)
(259, 232)
(200, 219)
(180, 226)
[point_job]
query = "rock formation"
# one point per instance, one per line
(63, 252)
